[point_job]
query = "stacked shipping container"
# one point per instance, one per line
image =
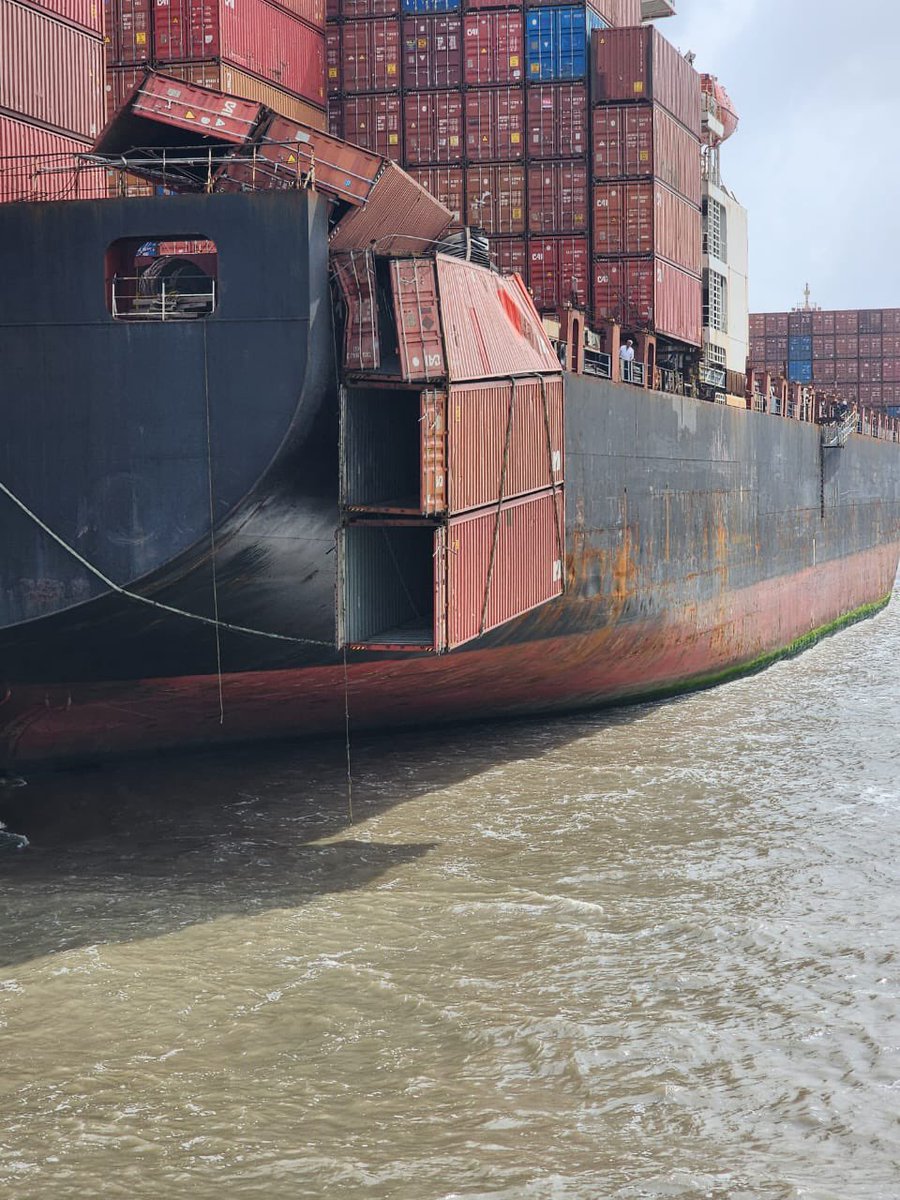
(269, 51)
(51, 94)
(645, 134)
(486, 104)
(855, 353)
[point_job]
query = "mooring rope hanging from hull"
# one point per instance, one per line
(157, 604)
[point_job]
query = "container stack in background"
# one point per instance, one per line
(270, 51)
(487, 105)
(51, 91)
(645, 134)
(854, 353)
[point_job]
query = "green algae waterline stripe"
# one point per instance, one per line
(740, 670)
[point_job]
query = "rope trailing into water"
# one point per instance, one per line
(212, 529)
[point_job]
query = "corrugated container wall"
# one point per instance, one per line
(494, 47)
(35, 85)
(86, 13)
(557, 120)
(121, 80)
(558, 197)
(374, 122)
(432, 53)
(253, 36)
(129, 31)
(447, 184)
(647, 293)
(631, 219)
(639, 64)
(557, 41)
(35, 148)
(635, 140)
(495, 124)
(496, 198)
(559, 271)
(364, 56)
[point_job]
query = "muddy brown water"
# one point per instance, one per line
(650, 953)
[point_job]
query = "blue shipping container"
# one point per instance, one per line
(558, 40)
(800, 346)
(800, 371)
(431, 6)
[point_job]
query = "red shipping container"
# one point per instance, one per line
(846, 346)
(649, 294)
(824, 371)
(757, 324)
(870, 394)
(823, 322)
(646, 218)
(373, 122)
(186, 106)
(128, 31)
(510, 255)
(397, 202)
(491, 327)
(496, 198)
(870, 320)
(464, 437)
(433, 125)
(619, 13)
(870, 370)
(890, 345)
(432, 54)
(494, 47)
(822, 346)
(776, 349)
(254, 36)
(846, 321)
(446, 184)
(33, 85)
(891, 320)
(525, 540)
(334, 75)
(630, 141)
(558, 197)
(556, 122)
(559, 272)
(639, 64)
(43, 166)
(776, 323)
(121, 80)
(846, 370)
(495, 124)
(88, 14)
(369, 8)
(870, 345)
(368, 58)
(335, 117)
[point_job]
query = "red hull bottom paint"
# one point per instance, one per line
(689, 648)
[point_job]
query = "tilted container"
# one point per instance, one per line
(448, 184)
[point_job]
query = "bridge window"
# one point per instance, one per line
(169, 278)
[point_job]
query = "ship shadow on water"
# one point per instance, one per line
(141, 848)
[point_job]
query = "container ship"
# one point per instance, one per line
(393, 370)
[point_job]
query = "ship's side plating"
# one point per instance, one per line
(701, 539)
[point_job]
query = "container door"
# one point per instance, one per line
(414, 285)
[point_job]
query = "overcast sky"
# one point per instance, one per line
(816, 159)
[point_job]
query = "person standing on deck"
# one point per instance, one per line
(626, 359)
